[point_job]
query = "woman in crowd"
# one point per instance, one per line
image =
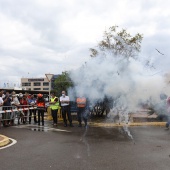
(24, 103)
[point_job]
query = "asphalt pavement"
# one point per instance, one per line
(74, 148)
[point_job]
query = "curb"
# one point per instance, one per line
(4, 140)
(108, 124)
(128, 124)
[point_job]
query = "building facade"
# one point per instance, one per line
(38, 84)
(35, 84)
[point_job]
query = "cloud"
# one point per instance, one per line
(53, 36)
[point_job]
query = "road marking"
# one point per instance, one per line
(13, 143)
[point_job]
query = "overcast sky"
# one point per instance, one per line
(51, 36)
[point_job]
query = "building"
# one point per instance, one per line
(37, 84)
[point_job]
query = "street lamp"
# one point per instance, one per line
(49, 77)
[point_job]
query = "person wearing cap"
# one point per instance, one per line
(41, 108)
(65, 108)
(54, 105)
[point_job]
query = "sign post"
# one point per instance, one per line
(49, 77)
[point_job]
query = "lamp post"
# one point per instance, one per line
(49, 77)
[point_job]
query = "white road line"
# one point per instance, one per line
(13, 143)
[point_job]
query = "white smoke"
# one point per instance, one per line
(128, 82)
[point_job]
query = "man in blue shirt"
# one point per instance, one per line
(32, 103)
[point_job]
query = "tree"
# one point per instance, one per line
(62, 82)
(118, 43)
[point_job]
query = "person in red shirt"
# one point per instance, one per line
(41, 108)
(24, 103)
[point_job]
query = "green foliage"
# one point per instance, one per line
(62, 82)
(118, 43)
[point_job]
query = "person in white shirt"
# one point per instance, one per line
(65, 108)
(15, 103)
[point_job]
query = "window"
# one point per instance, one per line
(45, 83)
(37, 84)
(45, 88)
(26, 84)
(35, 79)
(37, 88)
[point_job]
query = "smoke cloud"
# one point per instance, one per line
(129, 82)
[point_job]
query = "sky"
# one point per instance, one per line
(40, 36)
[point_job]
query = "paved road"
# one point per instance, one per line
(86, 149)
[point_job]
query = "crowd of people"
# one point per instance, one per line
(25, 107)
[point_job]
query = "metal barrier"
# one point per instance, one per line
(16, 112)
(13, 112)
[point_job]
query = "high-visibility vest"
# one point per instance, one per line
(41, 104)
(81, 102)
(56, 105)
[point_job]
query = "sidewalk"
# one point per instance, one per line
(143, 117)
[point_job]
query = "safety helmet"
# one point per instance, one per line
(39, 95)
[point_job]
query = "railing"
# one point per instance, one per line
(13, 112)
(8, 113)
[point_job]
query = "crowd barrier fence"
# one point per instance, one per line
(16, 112)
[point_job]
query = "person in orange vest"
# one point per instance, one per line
(41, 108)
(81, 110)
